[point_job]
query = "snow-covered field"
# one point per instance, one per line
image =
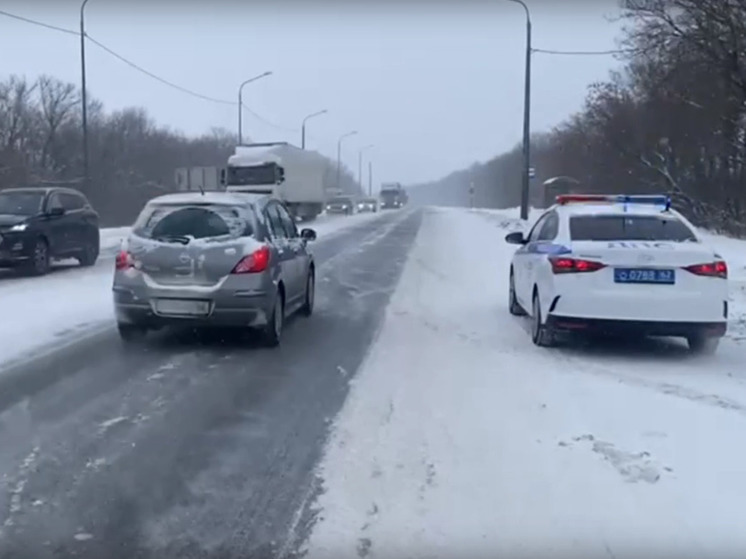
(462, 439)
(43, 314)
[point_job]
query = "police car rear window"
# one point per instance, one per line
(629, 228)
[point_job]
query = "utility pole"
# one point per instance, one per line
(240, 103)
(360, 164)
(339, 157)
(84, 99)
(303, 127)
(370, 179)
(526, 179)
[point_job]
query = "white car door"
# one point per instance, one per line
(523, 263)
(543, 246)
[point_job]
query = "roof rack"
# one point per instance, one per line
(653, 200)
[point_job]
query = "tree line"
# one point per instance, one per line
(131, 157)
(672, 120)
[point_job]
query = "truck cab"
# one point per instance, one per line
(393, 196)
(287, 172)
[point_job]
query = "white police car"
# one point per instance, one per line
(618, 264)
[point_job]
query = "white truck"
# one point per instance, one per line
(294, 175)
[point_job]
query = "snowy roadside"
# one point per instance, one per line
(461, 438)
(72, 302)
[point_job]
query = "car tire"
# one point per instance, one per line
(308, 303)
(40, 263)
(89, 254)
(541, 334)
(702, 345)
(131, 333)
(272, 332)
(514, 307)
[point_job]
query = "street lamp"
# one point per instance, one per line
(240, 103)
(526, 117)
(303, 127)
(360, 164)
(339, 155)
(83, 96)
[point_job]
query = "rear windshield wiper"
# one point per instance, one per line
(184, 240)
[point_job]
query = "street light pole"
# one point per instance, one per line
(526, 117)
(303, 127)
(240, 103)
(339, 155)
(370, 179)
(360, 164)
(84, 98)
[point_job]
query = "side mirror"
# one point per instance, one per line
(308, 234)
(56, 212)
(279, 174)
(222, 177)
(516, 238)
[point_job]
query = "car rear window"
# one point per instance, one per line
(629, 228)
(193, 222)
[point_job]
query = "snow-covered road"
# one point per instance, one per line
(461, 438)
(46, 313)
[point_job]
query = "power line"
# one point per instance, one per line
(39, 23)
(139, 68)
(580, 52)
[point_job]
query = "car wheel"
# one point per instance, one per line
(273, 330)
(703, 345)
(39, 263)
(541, 334)
(89, 254)
(307, 308)
(514, 307)
(131, 333)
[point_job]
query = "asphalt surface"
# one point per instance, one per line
(192, 445)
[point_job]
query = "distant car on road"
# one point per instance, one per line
(38, 224)
(214, 259)
(595, 263)
(340, 205)
(367, 205)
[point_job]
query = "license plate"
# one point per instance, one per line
(637, 275)
(182, 307)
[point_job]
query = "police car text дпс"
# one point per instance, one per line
(628, 264)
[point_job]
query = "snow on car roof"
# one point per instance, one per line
(206, 198)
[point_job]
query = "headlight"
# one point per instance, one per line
(19, 227)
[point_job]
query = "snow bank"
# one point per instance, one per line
(460, 438)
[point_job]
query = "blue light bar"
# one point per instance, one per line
(654, 200)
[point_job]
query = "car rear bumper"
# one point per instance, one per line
(649, 305)
(641, 327)
(249, 310)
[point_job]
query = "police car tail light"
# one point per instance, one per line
(718, 269)
(564, 265)
(253, 263)
(123, 260)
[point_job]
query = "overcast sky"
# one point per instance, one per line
(434, 86)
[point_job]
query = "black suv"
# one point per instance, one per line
(38, 224)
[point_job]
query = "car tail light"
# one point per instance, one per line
(123, 260)
(564, 265)
(253, 263)
(718, 269)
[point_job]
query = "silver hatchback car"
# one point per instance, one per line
(213, 259)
